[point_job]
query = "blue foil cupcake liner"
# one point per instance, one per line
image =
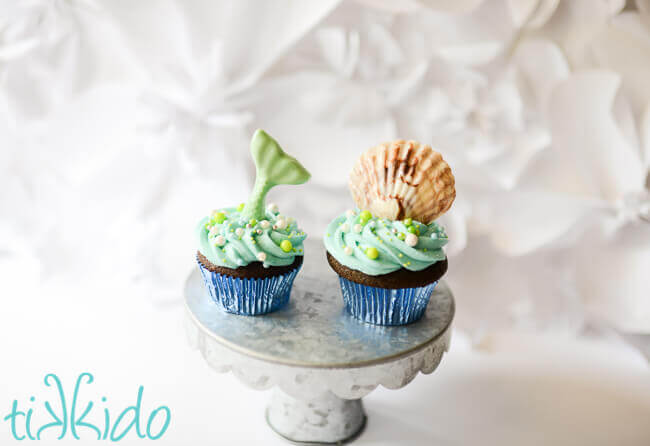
(383, 306)
(250, 296)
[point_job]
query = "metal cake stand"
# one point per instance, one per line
(320, 360)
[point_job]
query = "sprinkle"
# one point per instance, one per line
(357, 228)
(286, 245)
(219, 217)
(348, 250)
(240, 207)
(252, 222)
(349, 213)
(345, 227)
(434, 235)
(259, 231)
(411, 239)
(273, 208)
(281, 223)
(408, 221)
(261, 256)
(400, 255)
(239, 232)
(220, 240)
(365, 216)
(401, 236)
(372, 253)
(265, 224)
(248, 226)
(411, 229)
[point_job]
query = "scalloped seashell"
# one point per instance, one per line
(403, 179)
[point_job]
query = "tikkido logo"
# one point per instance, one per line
(70, 416)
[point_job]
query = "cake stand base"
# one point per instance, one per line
(327, 419)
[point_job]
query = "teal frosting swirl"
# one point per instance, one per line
(350, 238)
(227, 239)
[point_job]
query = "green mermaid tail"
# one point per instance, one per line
(273, 167)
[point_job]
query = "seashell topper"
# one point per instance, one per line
(403, 179)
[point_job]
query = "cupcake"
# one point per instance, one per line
(250, 254)
(388, 251)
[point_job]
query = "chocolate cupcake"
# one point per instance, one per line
(389, 255)
(249, 255)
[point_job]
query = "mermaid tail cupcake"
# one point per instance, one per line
(249, 255)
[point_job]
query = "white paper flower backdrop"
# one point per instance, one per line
(123, 122)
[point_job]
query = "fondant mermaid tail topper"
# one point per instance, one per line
(273, 167)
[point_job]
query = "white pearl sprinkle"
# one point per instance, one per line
(220, 240)
(281, 223)
(348, 250)
(411, 239)
(357, 228)
(259, 231)
(394, 230)
(434, 235)
(345, 227)
(248, 226)
(349, 213)
(272, 207)
(261, 256)
(265, 224)
(239, 232)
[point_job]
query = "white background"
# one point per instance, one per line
(123, 123)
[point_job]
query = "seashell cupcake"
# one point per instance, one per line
(249, 255)
(388, 251)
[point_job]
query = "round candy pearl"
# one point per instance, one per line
(411, 239)
(349, 213)
(281, 223)
(365, 215)
(286, 245)
(345, 227)
(239, 232)
(240, 207)
(272, 207)
(357, 228)
(220, 240)
(265, 224)
(348, 250)
(372, 253)
(261, 256)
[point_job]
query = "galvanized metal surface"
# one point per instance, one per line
(321, 360)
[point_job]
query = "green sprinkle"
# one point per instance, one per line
(417, 232)
(219, 217)
(252, 222)
(400, 255)
(364, 217)
(240, 207)
(372, 253)
(408, 221)
(286, 245)
(401, 236)
(411, 229)
(425, 250)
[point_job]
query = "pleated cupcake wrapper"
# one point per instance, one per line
(250, 296)
(383, 306)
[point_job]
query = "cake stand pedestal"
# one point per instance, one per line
(320, 360)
